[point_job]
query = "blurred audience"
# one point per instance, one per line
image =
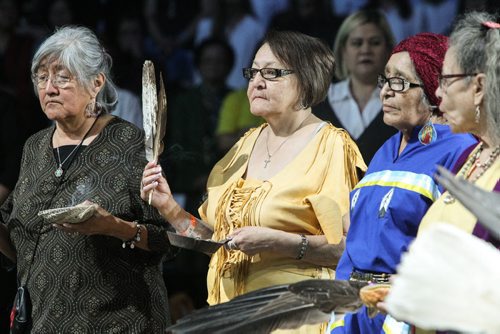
(311, 17)
(16, 49)
(192, 120)
(233, 20)
(191, 150)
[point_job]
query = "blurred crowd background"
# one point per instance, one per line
(200, 47)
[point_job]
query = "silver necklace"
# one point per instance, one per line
(60, 171)
(269, 155)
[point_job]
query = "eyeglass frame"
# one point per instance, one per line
(443, 77)
(279, 72)
(58, 81)
(406, 84)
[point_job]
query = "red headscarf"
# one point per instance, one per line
(427, 54)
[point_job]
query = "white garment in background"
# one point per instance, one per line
(347, 111)
(129, 107)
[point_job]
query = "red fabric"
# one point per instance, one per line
(427, 54)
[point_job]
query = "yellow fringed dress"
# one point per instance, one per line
(309, 196)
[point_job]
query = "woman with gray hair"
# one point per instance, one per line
(102, 274)
(469, 89)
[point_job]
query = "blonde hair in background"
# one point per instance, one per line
(352, 22)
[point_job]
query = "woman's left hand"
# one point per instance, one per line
(254, 239)
(99, 223)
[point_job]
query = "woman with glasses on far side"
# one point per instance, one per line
(398, 188)
(281, 192)
(469, 92)
(469, 89)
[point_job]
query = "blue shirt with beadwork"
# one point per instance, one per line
(388, 204)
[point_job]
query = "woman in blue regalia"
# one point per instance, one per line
(398, 188)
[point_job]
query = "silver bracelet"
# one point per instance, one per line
(303, 247)
(137, 237)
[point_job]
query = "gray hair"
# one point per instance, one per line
(477, 49)
(79, 50)
(352, 22)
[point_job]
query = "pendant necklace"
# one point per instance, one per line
(269, 155)
(60, 171)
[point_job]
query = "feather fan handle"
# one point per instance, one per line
(149, 107)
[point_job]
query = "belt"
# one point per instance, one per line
(359, 276)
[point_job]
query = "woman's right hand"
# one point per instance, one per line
(154, 182)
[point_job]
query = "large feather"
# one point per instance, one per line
(485, 205)
(161, 121)
(282, 306)
(149, 107)
(449, 280)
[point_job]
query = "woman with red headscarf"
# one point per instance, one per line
(398, 188)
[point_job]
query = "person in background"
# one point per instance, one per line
(196, 111)
(388, 204)
(233, 21)
(103, 274)
(235, 119)
(362, 47)
(281, 192)
(191, 151)
(469, 92)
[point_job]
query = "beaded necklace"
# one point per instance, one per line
(471, 164)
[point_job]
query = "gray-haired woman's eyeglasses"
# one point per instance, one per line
(57, 80)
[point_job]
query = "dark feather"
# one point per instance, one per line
(283, 306)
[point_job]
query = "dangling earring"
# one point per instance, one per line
(427, 133)
(478, 114)
(90, 109)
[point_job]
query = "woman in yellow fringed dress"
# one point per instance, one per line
(281, 192)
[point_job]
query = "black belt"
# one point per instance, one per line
(359, 276)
